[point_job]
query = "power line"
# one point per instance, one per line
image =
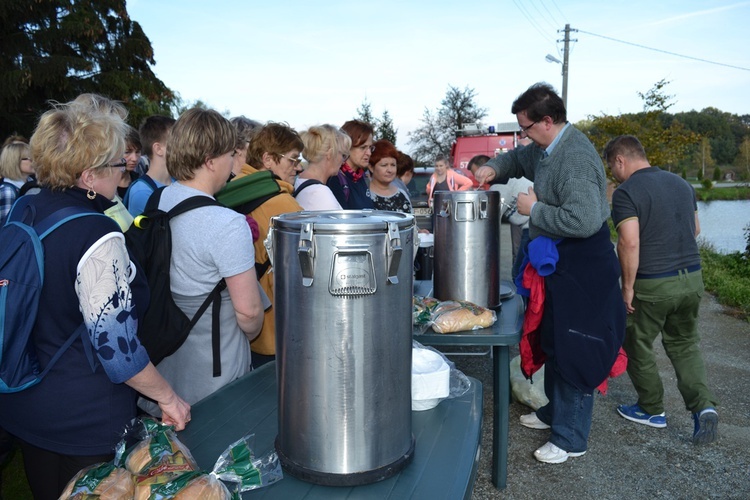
(550, 13)
(665, 51)
(553, 24)
(558, 10)
(531, 20)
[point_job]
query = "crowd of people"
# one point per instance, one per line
(83, 155)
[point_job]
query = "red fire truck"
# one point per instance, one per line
(472, 140)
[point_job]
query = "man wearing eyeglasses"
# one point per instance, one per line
(582, 323)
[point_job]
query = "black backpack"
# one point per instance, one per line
(164, 327)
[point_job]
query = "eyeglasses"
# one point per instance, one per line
(365, 147)
(119, 165)
(295, 161)
(344, 157)
(525, 129)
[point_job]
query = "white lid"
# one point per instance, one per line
(426, 240)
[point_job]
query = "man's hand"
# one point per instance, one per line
(627, 297)
(485, 175)
(526, 201)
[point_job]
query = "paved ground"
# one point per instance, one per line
(627, 459)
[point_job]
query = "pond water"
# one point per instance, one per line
(723, 223)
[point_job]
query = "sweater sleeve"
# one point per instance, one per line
(518, 162)
(105, 298)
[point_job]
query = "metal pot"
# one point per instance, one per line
(342, 292)
(467, 246)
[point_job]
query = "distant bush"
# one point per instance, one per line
(717, 174)
(707, 183)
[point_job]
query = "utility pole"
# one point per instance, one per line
(566, 52)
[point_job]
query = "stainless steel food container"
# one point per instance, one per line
(342, 292)
(467, 246)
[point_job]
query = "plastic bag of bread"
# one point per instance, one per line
(422, 309)
(458, 316)
(156, 458)
(195, 485)
(238, 464)
(102, 480)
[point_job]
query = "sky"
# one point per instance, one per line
(312, 62)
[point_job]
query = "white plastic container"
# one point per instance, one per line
(430, 379)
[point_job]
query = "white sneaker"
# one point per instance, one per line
(551, 454)
(532, 422)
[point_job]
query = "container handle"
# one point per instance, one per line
(268, 243)
(306, 254)
(393, 252)
(483, 208)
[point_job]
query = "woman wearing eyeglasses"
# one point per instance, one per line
(384, 192)
(15, 170)
(350, 184)
(75, 416)
(326, 148)
(275, 148)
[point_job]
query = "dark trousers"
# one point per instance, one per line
(6, 447)
(49, 472)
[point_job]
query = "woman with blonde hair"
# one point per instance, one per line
(326, 148)
(15, 170)
(75, 416)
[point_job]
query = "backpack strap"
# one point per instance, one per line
(250, 206)
(307, 183)
(148, 180)
(214, 297)
(189, 204)
(143, 178)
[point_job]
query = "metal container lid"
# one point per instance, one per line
(343, 221)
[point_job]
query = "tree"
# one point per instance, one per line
(743, 157)
(702, 158)
(384, 128)
(364, 113)
(58, 49)
(438, 130)
(459, 109)
(665, 139)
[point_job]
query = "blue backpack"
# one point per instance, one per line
(21, 280)
(144, 178)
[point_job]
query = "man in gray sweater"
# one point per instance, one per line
(583, 319)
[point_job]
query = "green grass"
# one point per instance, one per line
(729, 193)
(728, 278)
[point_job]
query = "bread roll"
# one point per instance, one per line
(458, 316)
(115, 484)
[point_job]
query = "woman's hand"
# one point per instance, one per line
(175, 412)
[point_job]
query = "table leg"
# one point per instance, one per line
(501, 408)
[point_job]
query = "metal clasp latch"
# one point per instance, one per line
(393, 252)
(306, 253)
